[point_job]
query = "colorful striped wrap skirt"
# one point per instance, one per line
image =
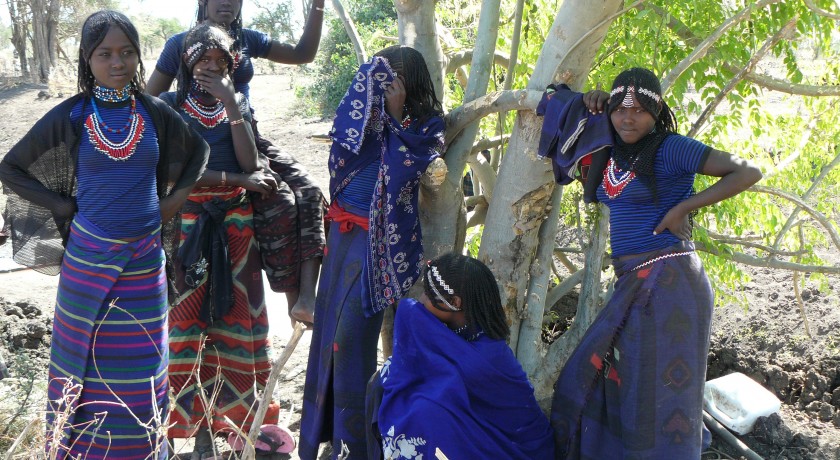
(108, 388)
(216, 367)
(342, 353)
(633, 388)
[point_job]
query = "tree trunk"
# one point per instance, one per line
(525, 184)
(19, 33)
(418, 29)
(444, 224)
(45, 36)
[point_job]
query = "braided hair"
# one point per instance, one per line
(421, 102)
(95, 28)
(639, 157)
(197, 41)
(475, 284)
(234, 29)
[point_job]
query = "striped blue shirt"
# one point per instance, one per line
(634, 215)
(119, 197)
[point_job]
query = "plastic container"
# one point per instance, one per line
(736, 401)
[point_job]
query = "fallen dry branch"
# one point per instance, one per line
(248, 453)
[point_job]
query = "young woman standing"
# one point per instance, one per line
(103, 172)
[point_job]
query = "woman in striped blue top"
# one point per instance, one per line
(633, 388)
(103, 172)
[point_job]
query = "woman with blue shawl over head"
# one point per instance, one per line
(104, 173)
(633, 388)
(452, 385)
(387, 130)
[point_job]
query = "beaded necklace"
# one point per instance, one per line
(116, 151)
(113, 95)
(467, 333)
(613, 184)
(209, 117)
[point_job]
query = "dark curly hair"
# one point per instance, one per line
(421, 101)
(95, 28)
(475, 284)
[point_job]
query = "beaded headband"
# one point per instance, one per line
(628, 102)
(433, 272)
(194, 53)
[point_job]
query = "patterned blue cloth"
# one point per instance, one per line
(468, 399)
(633, 387)
(362, 133)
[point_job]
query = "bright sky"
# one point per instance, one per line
(182, 10)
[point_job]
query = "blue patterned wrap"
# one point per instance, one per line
(362, 133)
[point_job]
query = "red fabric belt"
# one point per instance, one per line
(345, 219)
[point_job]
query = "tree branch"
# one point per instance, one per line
(488, 143)
(463, 58)
(816, 215)
(764, 81)
(823, 173)
(718, 238)
(350, 28)
(746, 259)
(787, 31)
(498, 101)
(706, 44)
(813, 7)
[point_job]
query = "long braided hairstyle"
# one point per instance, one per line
(235, 28)
(421, 102)
(640, 156)
(94, 29)
(475, 284)
(198, 40)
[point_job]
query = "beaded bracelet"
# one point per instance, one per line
(237, 122)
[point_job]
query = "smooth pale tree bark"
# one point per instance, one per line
(444, 226)
(417, 28)
(525, 185)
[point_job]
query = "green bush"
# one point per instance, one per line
(336, 62)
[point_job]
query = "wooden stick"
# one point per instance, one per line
(248, 451)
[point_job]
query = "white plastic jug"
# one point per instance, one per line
(736, 401)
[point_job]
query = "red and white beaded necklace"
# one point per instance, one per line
(117, 151)
(209, 117)
(615, 180)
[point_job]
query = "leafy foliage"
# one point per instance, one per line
(336, 62)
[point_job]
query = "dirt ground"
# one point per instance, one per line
(766, 341)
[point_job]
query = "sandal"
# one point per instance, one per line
(272, 439)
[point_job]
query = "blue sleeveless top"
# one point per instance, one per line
(119, 197)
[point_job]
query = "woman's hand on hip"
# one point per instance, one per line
(675, 221)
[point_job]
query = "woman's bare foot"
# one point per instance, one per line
(303, 311)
